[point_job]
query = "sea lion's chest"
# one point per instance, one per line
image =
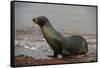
(50, 36)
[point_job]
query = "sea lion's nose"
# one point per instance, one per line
(34, 19)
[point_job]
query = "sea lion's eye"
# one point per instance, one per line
(34, 19)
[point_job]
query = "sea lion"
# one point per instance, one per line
(66, 46)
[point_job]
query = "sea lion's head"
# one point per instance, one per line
(41, 20)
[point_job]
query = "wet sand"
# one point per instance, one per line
(25, 60)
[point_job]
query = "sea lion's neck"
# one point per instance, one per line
(47, 24)
(49, 31)
(48, 27)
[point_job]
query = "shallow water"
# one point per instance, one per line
(38, 48)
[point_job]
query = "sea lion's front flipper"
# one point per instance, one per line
(57, 48)
(54, 55)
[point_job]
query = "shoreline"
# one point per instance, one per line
(26, 60)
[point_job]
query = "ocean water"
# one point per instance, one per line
(68, 18)
(38, 48)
